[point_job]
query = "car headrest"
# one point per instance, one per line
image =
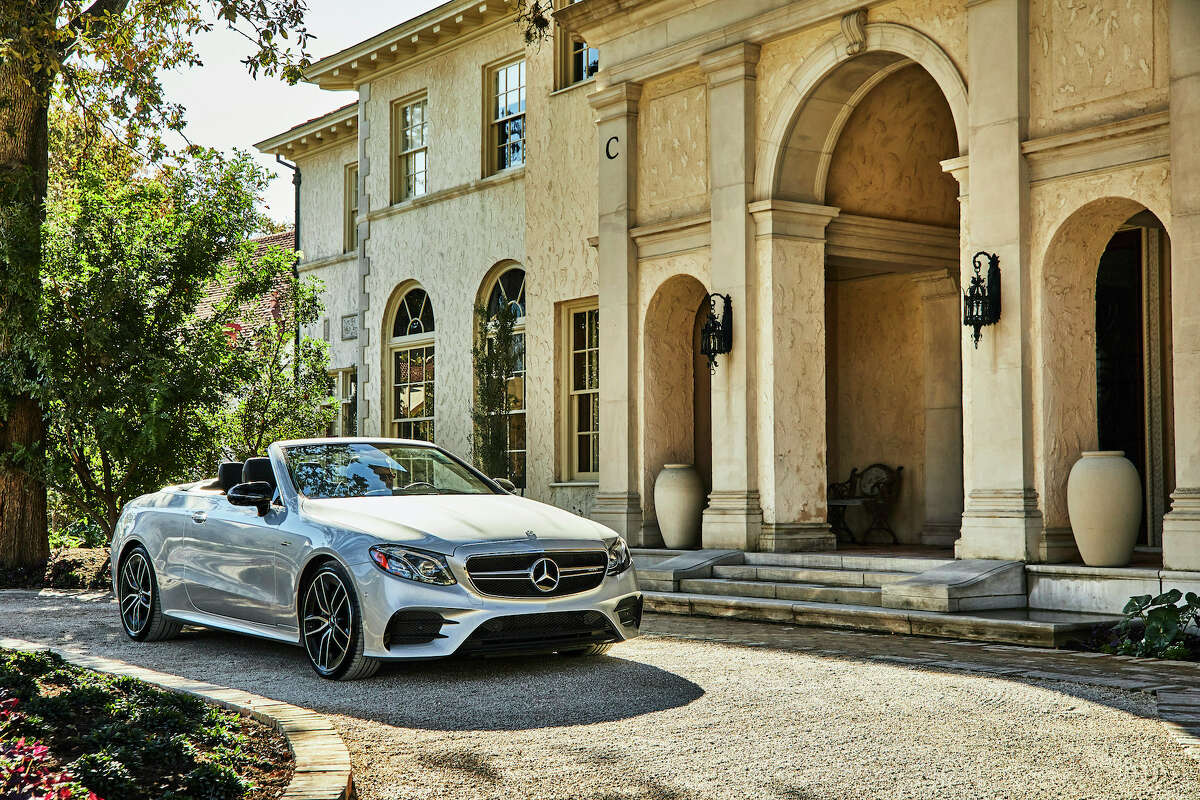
(258, 469)
(229, 474)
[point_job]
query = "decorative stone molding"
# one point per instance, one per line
(854, 30)
(315, 135)
(736, 62)
(855, 240)
(622, 512)
(788, 219)
(1101, 147)
(796, 537)
(616, 101)
(674, 236)
(322, 761)
(909, 44)
(733, 520)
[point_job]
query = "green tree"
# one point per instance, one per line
(135, 361)
(272, 400)
(497, 353)
(104, 55)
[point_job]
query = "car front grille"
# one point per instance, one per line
(536, 633)
(512, 574)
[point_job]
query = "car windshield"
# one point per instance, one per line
(377, 469)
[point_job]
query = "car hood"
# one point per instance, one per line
(445, 522)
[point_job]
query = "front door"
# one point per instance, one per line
(232, 571)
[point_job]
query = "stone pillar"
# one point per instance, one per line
(943, 409)
(733, 517)
(1001, 518)
(792, 463)
(617, 503)
(1181, 526)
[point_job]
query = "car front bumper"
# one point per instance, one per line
(544, 625)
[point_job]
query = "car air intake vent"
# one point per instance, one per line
(414, 627)
(553, 573)
(539, 633)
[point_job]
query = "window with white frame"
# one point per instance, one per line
(350, 238)
(585, 60)
(506, 133)
(410, 126)
(583, 392)
(508, 290)
(343, 388)
(411, 360)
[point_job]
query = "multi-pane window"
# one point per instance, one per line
(412, 366)
(507, 137)
(585, 61)
(343, 388)
(509, 291)
(411, 126)
(584, 393)
(350, 239)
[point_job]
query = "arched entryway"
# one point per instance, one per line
(866, 143)
(1106, 353)
(676, 421)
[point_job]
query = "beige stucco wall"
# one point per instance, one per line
(876, 369)
(673, 147)
(886, 162)
(1073, 219)
(323, 199)
(1095, 61)
(560, 216)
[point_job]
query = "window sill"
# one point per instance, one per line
(571, 87)
(575, 485)
(420, 201)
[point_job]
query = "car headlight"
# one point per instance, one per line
(619, 558)
(413, 565)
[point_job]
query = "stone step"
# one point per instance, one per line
(1040, 629)
(859, 595)
(846, 561)
(825, 577)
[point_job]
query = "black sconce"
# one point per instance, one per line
(716, 337)
(981, 302)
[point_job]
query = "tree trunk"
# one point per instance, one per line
(24, 102)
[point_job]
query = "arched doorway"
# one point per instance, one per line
(893, 363)
(1106, 330)
(676, 424)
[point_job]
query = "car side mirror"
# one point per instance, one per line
(506, 485)
(254, 493)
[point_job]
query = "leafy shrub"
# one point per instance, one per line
(79, 533)
(122, 738)
(25, 772)
(1157, 626)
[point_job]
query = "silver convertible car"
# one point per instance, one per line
(363, 550)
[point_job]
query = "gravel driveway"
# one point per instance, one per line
(673, 719)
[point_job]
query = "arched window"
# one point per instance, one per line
(412, 367)
(508, 291)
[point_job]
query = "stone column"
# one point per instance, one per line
(792, 463)
(1181, 526)
(617, 503)
(1001, 518)
(943, 409)
(733, 517)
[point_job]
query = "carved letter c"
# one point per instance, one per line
(608, 147)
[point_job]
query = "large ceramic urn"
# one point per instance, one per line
(1104, 501)
(678, 501)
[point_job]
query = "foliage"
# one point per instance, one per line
(533, 18)
(120, 737)
(1157, 626)
(497, 355)
(278, 397)
(104, 57)
(26, 771)
(131, 366)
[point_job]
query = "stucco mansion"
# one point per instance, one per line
(834, 167)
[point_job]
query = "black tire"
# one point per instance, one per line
(138, 600)
(590, 651)
(330, 618)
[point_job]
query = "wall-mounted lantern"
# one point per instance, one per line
(716, 338)
(981, 302)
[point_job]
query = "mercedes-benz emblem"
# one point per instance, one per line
(544, 575)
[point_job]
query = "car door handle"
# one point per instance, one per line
(199, 517)
(285, 543)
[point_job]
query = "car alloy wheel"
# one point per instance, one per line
(137, 594)
(328, 622)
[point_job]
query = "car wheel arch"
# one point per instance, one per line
(310, 568)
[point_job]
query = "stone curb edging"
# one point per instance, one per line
(322, 761)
